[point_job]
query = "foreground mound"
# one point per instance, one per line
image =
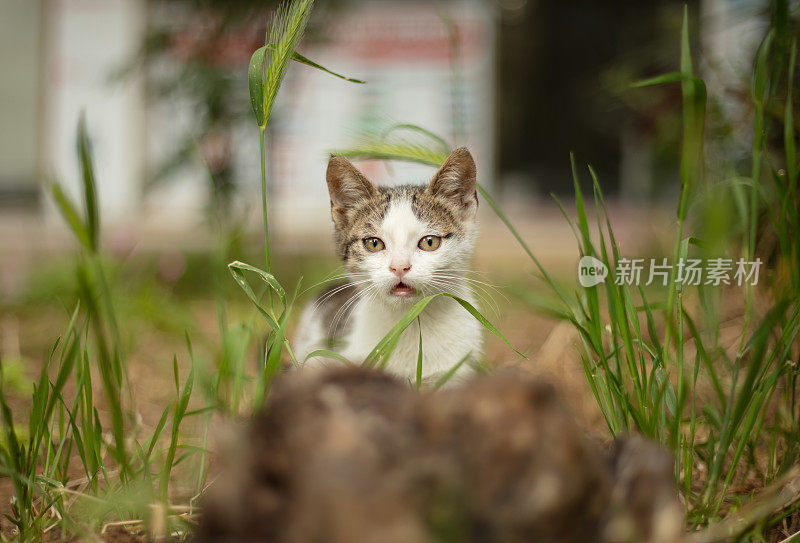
(355, 455)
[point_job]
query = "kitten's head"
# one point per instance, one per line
(408, 241)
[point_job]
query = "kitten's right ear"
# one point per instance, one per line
(347, 187)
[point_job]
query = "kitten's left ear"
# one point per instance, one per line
(456, 182)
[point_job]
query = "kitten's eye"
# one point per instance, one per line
(430, 243)
(373, 245)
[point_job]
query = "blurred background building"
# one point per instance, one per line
(522, 82)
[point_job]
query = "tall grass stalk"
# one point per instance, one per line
(96, 294)
(267, 70)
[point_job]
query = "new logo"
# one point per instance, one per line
(591, 271)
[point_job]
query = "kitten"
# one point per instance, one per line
(398, 245)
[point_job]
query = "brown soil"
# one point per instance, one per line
(352, 454)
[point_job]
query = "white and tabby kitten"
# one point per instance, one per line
(399, 244)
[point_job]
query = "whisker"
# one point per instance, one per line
(480, 292)
(334, 292)
(472, 281)
(334, 276)
(343, 309)
(332, 326)
(374, 291)
(327, 279)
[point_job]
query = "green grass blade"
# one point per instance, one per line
(89, 187)
(181, 406)
(671, 77)
(444, 147)
(255, 74)
(378, 150)
(419, 357)
(788, 122)
(241, 280)
(382, 351)
(156, 435)
(268, 278)
(273, 366)
(297, 57)
(327, 353)
(445, 377)
(70, 214)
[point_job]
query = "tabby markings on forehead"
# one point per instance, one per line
(439, 214)
(365, 216)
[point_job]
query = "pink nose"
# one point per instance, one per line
(399, 269)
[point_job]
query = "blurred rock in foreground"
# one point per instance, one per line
(355, 455)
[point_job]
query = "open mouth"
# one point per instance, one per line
(402, 290)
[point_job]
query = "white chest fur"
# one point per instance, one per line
(449, 333)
